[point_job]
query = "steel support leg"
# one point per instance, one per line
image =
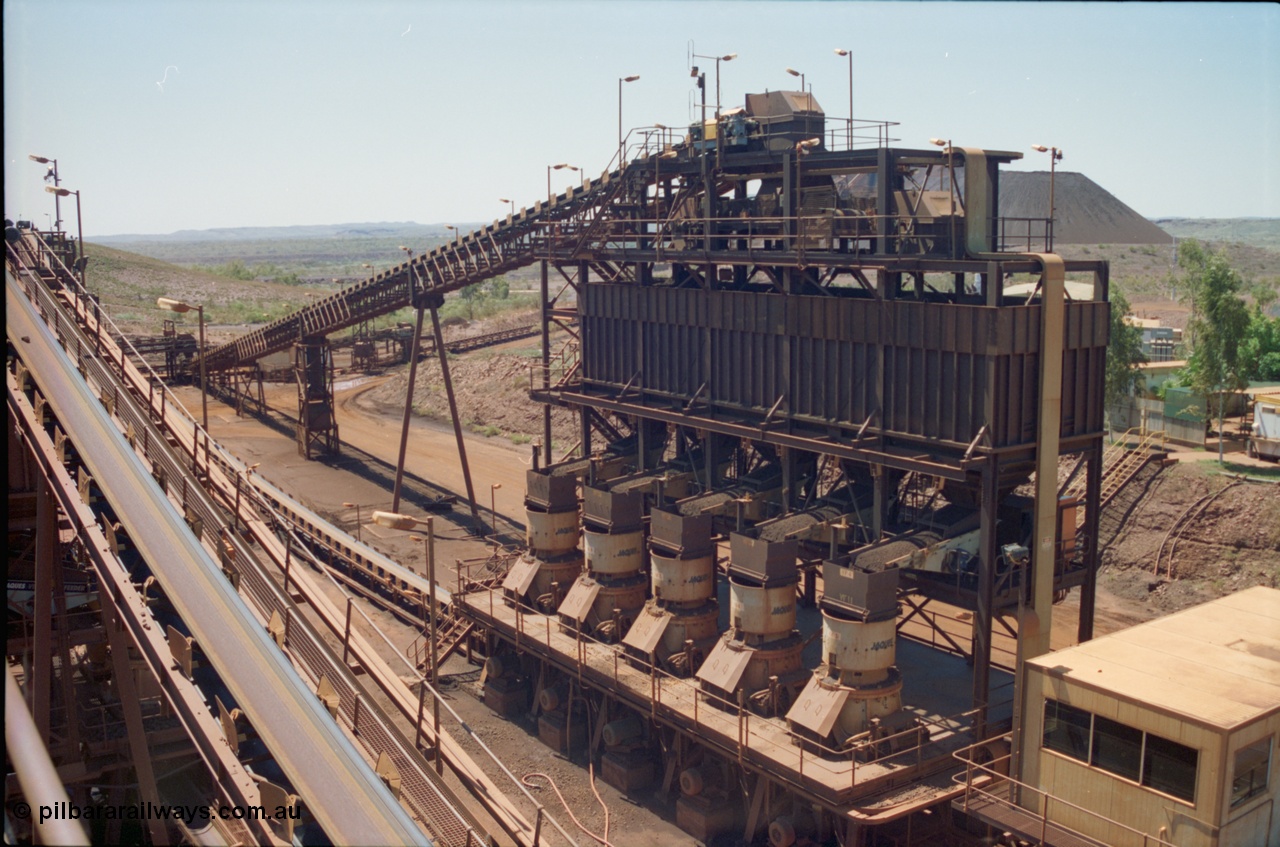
(1093, 498)
(453, 413)
(408, 409)
(982, 618)
(546, 362)
(122, 669)
(42, 611)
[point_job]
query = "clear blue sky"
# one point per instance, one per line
(279, 113)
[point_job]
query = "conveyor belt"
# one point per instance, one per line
(442, 814)
(502, 246)
(343, 793)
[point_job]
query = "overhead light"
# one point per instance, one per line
(41, 159)
(840, 51)
(941, 142)
(793, 72)
(173, 305)
(61, 192)
(393, 520)
(631, 78)
(729, 58)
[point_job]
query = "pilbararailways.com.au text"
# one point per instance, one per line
(63, 811)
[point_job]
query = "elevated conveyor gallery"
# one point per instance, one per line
(342, 790)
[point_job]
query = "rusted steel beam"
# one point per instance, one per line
(825, 446)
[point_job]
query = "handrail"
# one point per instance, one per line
(159, 403)
(533, 624)
(997, 778)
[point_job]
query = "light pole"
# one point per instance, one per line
(457, 233)
(718, 59)
(51, 173)
(804, 90)
(1055, 156)
(840, 51)
(67, 192)
(394, 520)
(951, 189)
(551, 168)
(621, 80)
(413, 273)
(355, 506)
(493, 509)
(181, 307)
(511, 202)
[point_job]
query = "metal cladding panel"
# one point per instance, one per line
(578, 602)
(647, 630)
(725, 665)
(825, 357)
(817, 707)
(521, 575)
(618, 510)
(686, 534)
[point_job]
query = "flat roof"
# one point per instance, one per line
(1217, 664)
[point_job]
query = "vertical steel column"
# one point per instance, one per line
(1092, 504)
(982, 618)
(1044, 540)
(453, 408)
(46, 561)
(885, 183)
(122, 669)
(408, 409)
(583, 278)
(546, 362)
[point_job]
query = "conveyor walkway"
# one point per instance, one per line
(343, 792)
(519, 240)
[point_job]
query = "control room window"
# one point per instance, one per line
(1117, 748)
(1141, 757)
(1169, 767)
(1253, 766)
(1066, 729)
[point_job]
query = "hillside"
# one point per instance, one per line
(128, 285)
(1256, 232)
(383, 229)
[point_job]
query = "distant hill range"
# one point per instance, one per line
(397, 229)
(1086, 214)
(1257, 232)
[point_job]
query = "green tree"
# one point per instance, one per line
(1260, 347)
(499, 288)
(473, 295)
(1219, 319)
(1124, 353)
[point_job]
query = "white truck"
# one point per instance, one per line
(1264, 440)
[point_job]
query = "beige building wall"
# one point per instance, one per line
(1098, 794)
